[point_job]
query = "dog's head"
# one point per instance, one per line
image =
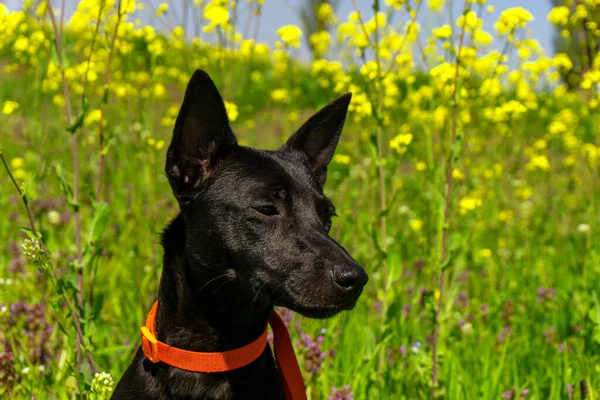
(258, 217)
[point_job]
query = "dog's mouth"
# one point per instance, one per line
(319, 309)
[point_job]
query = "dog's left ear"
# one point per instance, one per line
(202, 135)
(319, 136)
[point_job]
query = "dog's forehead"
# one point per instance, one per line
(266, 169)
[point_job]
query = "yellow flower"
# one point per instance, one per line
(151, 142)
(280, 95)
(443, 32)
(436, 5)
(8, 107)
(19, 174)
(326, 14)
(468, 203)
(160, 144)
(178, 31)
(159, 90)
(320, 42)
(93, 116)
(232, 110)
(162, 8)
(539, 162)
(457, 174)
(401, 142)
(17, 163)
(420, 166)
(395, 3)
(482, 37)
(217, 15)
(21, 44)
(290, 35)
(506, 215)
(559, 15)
(511, 19)
(485, 253)
(341, 159)
(416, 224)
(469, 21)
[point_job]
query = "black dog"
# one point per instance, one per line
(252, 233)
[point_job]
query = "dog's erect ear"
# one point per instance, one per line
(201, 137)
(319, 136)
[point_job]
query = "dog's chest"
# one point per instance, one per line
(255, 383)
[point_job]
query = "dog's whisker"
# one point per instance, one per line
(225, 275)
(220, 286)
(257, 293)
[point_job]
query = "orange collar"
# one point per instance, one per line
(287, 364)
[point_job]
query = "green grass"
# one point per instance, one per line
(498, 332)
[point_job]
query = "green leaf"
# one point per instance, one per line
(78, 123)
(376, 241)
(107, 146)
(29, 232)
(66, 187)
(55, 60)
(99, 220)
(97, 306)
(25, 187)
(105, 95)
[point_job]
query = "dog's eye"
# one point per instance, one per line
(268, 210)
(328, 225)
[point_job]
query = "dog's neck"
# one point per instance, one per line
(201, 313)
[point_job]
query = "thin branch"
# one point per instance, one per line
(450, 180)
(54, 275)
(89, 59)
(21, 194)
(106, 80)
(58, 45)
(76, 171)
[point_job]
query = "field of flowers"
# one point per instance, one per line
(467, 184)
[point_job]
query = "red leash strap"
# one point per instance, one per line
(287, 364)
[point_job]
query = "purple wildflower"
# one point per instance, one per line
(13, 248)
(312, 353)
(341, 394)
(377, 305)
(545, 294)
(7, 367)
(506, 331)
(392, 354)
(507, 312)
(462, 300)
(35, 328)
(510, 395)
(419, 265)
(423, 293)
(550, 334)
(16, 265)
(570, 391)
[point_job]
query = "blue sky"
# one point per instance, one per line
(277, 13)
(282, 12)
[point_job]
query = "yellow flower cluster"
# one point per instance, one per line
(373, 55)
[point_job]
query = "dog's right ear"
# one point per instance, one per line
(202, 135)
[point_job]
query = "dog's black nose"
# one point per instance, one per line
(350, 277)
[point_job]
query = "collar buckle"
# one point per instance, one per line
(149, 345)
